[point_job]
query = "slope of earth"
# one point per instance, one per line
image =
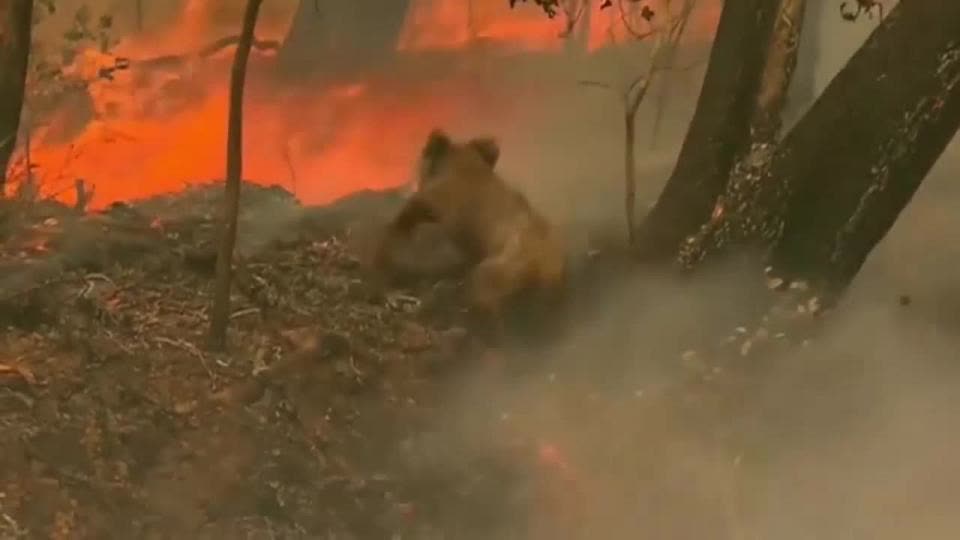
(118, 423)
(339, 411)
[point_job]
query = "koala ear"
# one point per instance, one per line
(438, 143)
(488, 148)
(437, 146)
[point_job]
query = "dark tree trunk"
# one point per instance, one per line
(335, 37)
(16, 18)
(741, 214)
(220, 313)
(719, 131)
(854, 161)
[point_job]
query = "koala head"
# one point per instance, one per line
(441, 154)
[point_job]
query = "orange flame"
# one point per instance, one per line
(157, 130)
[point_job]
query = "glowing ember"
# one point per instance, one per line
(562, 499)
(550, 455)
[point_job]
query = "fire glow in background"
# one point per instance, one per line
(159, 130)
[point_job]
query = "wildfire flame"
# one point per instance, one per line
(156, 130)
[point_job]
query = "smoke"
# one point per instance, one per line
(850, 437)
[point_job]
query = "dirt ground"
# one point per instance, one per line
(119, 423)
(329, 416)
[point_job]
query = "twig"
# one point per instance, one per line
(189, 347)
(250, 390)
(244, 312)
(285, 151)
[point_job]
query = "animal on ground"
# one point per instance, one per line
(512, 250)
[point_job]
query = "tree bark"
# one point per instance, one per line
(779, 65)
(334, 37)
(803, 89)
(719, 131)
(741, 215)
(854, 161)
(220, 313)
(16, 18)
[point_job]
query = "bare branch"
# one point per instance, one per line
(636, 82)
(573, 17)
(625, 20)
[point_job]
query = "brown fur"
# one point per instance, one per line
(515, 249)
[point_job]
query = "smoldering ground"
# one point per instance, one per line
(848, 437)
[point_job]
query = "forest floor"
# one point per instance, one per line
(119, 423)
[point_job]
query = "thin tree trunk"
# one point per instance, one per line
(220, 313)
(630, 171)
(663, 92)
(855, 160)
(578, 42)
(669, 59)
(16, 17)
(719, 131)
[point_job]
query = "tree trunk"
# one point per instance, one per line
(855, 160)
(780, 63)
(630, 171)
(139, 15)
(220, 313)
(336, 37)
(578, 41)
(803, 89)
(719, 131)
(16, 18)
(741, 215)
